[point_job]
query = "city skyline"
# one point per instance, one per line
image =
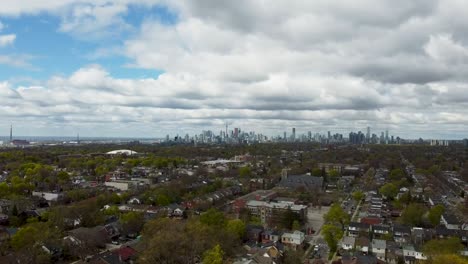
(147, 68)
(351, 135)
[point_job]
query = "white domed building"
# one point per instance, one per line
(122, 152)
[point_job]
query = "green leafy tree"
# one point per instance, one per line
(358, 196)
(389, 190)
(449, 258)
(413, 215)
(438, 247)
(396, 174)
(316, 172)
(213, 256)
(63, 177)
(213, 217)
(296, 225)
(236, 227)
(337, 216)
(245, 171)
(332, 234)
(132, 222)
(333, 175)
(434, 214)
(288, 218)
(112, 210)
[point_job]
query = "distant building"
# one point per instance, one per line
(450, 221)
(439, 142)
(271, 213)
(305, 181)
(259, 195)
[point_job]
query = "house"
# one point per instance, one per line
(442, 232)
(294, 239)
(401, 233)
(380, 231)
(409, 253)
(134, 200)
(379, 248)
(254, 233)
(362, 244)
(361, 259)
(420, 235)
(271, 236)
(371, 220)
(394, 253)
(175, 211)
(355, 229)
(450, 221)
(3, 219)
(5, 206)
(347, 243)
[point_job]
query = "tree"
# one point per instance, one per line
(132, 222)
(435, 213)
(396, 174)
(449, 258)
(245, 171)
(358, 196)
(213, 217)
(389, 190)
(213, 256)
(438, 247)
(63, 177)
(413, 215)
(288, 218)
(316, 172)
(333, 174)
(337, 216)
(296, 225)
(332, 234)
(236, 227)
(112, 210)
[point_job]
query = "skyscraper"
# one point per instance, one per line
(386, 136)
(368, 135)
(293, 134)
(11, 133)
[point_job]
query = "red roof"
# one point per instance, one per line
(371, 220)
(125, 252)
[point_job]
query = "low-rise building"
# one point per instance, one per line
(450, 221)
(347, 243)
(294, 239)
(379, 247)
(272, 212)
(410, 252)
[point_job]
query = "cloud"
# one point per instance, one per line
(400, 65)
(6, 40)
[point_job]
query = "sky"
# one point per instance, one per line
(147, 68)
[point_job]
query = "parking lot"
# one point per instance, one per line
(315, 217)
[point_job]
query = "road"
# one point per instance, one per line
(315, 219)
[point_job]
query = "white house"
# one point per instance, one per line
(347, 243)
(296, 238)
(409, 251)
(379, 248)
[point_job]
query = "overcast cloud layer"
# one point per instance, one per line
(315, 65)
